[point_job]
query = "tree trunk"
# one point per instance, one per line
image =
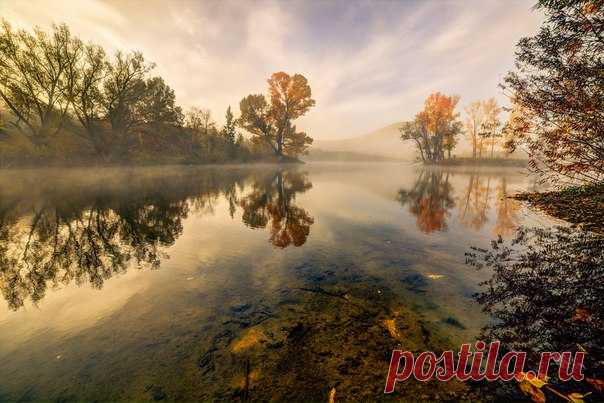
(492, 146)
(480, 150)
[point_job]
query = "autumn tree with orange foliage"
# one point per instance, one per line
(269, 118)
(435, 129)
(271, 204)
(558, 87)
(430, 201)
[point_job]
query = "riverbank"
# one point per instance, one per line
(582, 205)
(142, 163)
(486, 162)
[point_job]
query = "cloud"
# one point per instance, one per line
(369, 63)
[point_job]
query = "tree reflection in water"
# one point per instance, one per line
(546, 292)
(473, 206)
(85, 232)
(430, 200)
(271, 202)
(507, 211)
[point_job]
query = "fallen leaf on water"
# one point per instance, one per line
(391, 326)
(581, 315)
(240, 381)
(252, 338)
(576, 397)
(533, 392)
(332, 395)
(533, 380)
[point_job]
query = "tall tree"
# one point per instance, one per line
(193, 119)
(473, 122)
(490, 126)
(271, 121)
(199, 119)
(435, 128)
(559, 85)
(417, 132)
(256, 118)
(229, 131)
(37, 77)
(158, 103)
(87, 97)
(124, 87)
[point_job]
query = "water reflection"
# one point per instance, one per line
(474, 204)
(238, 311)
(86, 232)
(271, 203)
(546, 293)
(430, 200)
(434, 197)
(507, 210)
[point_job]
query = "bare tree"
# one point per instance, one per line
(473, 122)
(123, 88)
(490, 127)
(37, 77)
(87, 96)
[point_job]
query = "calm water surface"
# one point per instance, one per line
(240, 283)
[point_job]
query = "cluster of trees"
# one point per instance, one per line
(483, 126)
(436, 129)
(63, 99)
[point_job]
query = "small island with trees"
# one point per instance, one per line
(556, 117)
(437, 129)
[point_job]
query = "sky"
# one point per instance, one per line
(369, 63)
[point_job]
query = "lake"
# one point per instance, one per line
(241, 283)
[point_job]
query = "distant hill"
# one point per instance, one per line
(316, 154)
(385, 144)
(381, 143)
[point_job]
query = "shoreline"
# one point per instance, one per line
(581, 206)
(496, 162)
(148, 164)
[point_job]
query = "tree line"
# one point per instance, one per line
(63, 100)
